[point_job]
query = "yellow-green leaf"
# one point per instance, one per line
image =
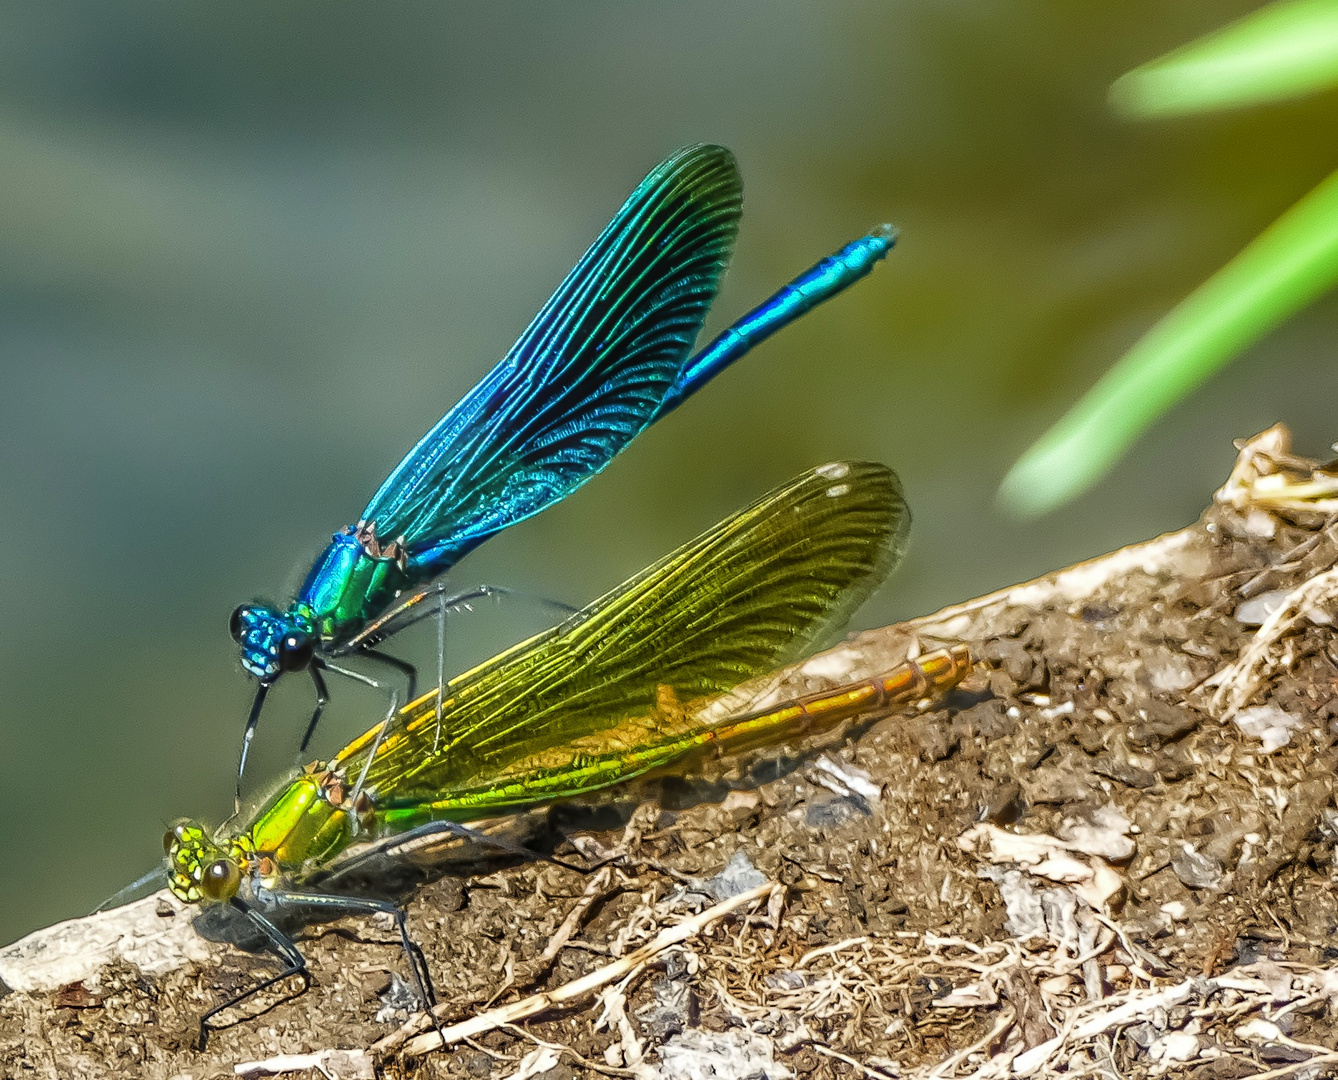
(1287, 266)
(1284, 50)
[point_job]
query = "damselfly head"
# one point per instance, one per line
(198, 869)
(272, 642)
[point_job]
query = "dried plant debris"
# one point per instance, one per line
(1111, 851)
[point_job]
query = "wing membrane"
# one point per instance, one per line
(586, 376)
(753, 592)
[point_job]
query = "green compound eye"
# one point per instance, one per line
(221, 880)
(181, 835)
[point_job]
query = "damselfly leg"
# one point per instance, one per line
(322, 700)
(419, 839)
(432, 601)
(405, 668)
(295, 963)
(338, 905)
(253, 718)
(144, 885)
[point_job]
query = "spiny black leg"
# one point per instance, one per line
(464, 832)
(418, 964)
(414, 608)
(322, 700)
(441, 668)
(407, 668)
(355, 905)
(256, 705)
(423, 977)
(421, 960)
(417, 961)
(283, 945)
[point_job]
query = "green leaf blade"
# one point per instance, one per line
(1285, 50)
(1294, 261)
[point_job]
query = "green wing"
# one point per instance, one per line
(754, 592)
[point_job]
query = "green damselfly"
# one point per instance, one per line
(636, 681)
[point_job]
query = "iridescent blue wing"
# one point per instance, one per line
(583, 380)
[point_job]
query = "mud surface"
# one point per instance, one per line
(1195, 860)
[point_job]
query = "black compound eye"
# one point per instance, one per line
(221, 880)
(295, 651)
(235, 624)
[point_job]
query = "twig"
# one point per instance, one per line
(574, 990)
(867, 1070)
(1030, 1061)
(1285, 1070)
(948, 1065)
(563, 1048)
(826, 950)
(593, 891)
(1239, 679)
(332, 1064)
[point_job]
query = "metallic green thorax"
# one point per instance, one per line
(354, 576)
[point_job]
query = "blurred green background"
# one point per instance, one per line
(249, 253)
